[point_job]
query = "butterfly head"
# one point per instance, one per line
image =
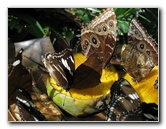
(45, 59)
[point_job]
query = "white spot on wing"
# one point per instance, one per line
(71, 59)
(150, 116)
(133, 96)
(57, 69)
(17, 62)
(65, 64)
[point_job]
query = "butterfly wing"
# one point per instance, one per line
(150, 111)
(66, 59)
(100, 36)
(105, 23)
(91, 43)
(75, 42)
(139, 37)
(18, 77)
(124, 103)
(110, 44)
(88, 74)
(60, 67)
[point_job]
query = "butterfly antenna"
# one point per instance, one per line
(39, 78)
(33, 79)
(40, 66)
(33, 61)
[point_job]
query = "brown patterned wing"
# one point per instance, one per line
(100, 36)
(140, 55)
(109, 49)
(139, 37)
(92, 43)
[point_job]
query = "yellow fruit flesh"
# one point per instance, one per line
(145, 88)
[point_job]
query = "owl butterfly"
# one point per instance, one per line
(140, 55)
(124, 103)
(100, 36)
(61, 67)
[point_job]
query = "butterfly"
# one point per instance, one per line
(125, 104)
(140, 55)
(61, 67)
(19, 88)
(18, 77)
(100, 36)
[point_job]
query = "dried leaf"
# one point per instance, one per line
(46, 106)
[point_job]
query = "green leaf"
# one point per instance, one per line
(33, 26)
(40, 27)
(123, 26)
(94, 10)
(19, 28)
(85, 18)
(79, 12)
(125, 13)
